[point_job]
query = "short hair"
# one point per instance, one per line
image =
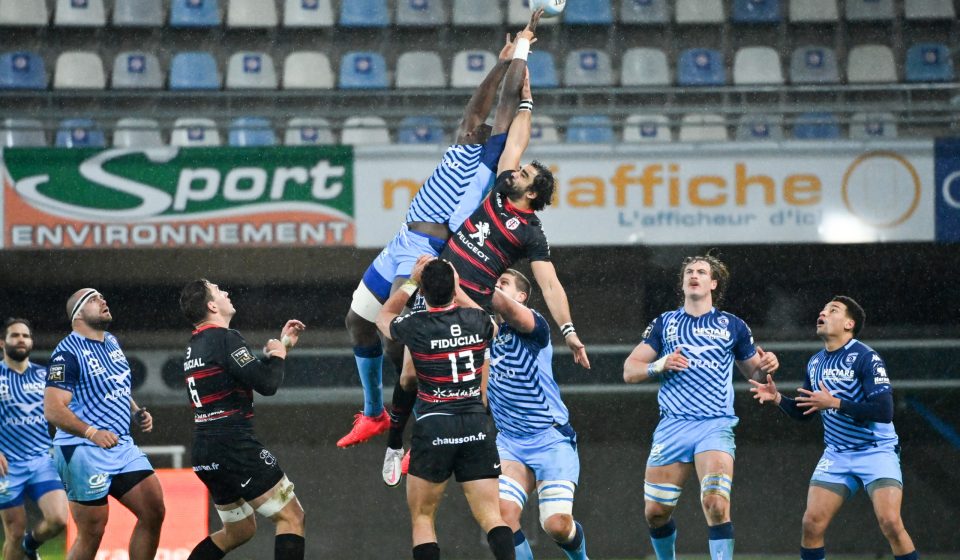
(194, 298)
(523, 283)
(544, 184)
(436, 283)
(13, 321)
(854, 311)
(718, 272)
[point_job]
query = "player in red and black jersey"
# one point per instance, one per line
(221, 374)
(453, 433)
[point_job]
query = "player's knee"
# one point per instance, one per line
(891, 524)
(814, 524)
(715, 495)
(513, 498)
(239, 532)
(559, 526)
(555, 498)
(659, 501)
(716, 508)
(14, 529)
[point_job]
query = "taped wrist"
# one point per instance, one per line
(522, 49)
(567, 329)
(525, 105)
(656, 368)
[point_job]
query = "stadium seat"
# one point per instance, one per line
(24, 13)
(928, 62)
(136, 70)
(543, 70)
(307, 70)
(251, 14)
(308, 132)
(364, 13)
(251, 131)
(647, 128)
(469, 13)
(80, 13)
(703, 127)
(363, 70)
(192, 132)
(518, 13)
(22, 133)
(194, 70)
(813, 11)
(365, 130)
(816, 125)
(929, 9)
(814, 65)
(543, 129)
(871, 64)
(420, 130)
(137, 13)
(80, 133)
(873, 126)
(79, 70)
(644, 67)
(307, 13)
(590, 129)
(753, 127)
(699, 11)
(868, 10)
(588, 12)
(757, 65)
(644, 12)
(701, 67)
(756, 11)
(587, 67)
(22, 70)
(195, 13)
(251, 70)
(421, 69)
(137, 133)
(470, 67)
(422, 13)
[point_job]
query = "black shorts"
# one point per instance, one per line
(461, 444)
(234, 466)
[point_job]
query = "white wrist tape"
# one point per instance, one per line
(657, 366)
(522, 50)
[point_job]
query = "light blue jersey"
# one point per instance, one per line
(23, 429)
(853, 373)
(711, 344)
(98, 375)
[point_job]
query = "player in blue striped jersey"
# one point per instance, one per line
(25, 464)
(536, 442)
(847, 383)
(691, 351)
(88, 400)
(466, 166)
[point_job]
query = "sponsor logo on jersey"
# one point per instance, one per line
(442, 343)
(117, 357)
(656, 452)
(647, 331)
(482, 233)
(4, 391)
(98, 481)
(513, 223)
(850, 358)
(4, 487)
(267, 457)
(193, 363)
(25, 421)
(210, 467)
(242, 356)
(442, 393)
(27, 408)
(96, 368)
(880, 376)
(33, 387)
(479, 436)
(470, 245)
(117, 394)
(710, 332)
(723, 321)
(824, 465)
(57, 372)
(838, 374)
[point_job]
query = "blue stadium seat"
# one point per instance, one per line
(137, 13)
(590, 129)
(422, 13)
(701, 67)
(543, 70)
(194, 13)
(756, 11)
(363, 70)
(814, 65)
(194, 70)
(928, 62)
(251, 131)
(420, 130)
(22, 70)
(364, 13)
(136, 70)
(816, 125)
(80, 133)
(588, 12)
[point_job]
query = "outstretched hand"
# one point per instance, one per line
(815, 401)
(579, 350)
(290, 334)
(769, 362)
(506, 52)
(676, 361)
(764, 392)
(530, 30)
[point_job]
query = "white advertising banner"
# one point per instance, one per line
(793, 192)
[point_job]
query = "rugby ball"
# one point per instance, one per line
(551, 8)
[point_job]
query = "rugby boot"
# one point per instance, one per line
(405, 463)
(29, 553)
(364, 428)
(392, 467)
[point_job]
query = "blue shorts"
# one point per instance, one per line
(678, 441)
(87, 470)
(550, 454)
(856, 469)
(34, 477)
(398, 258)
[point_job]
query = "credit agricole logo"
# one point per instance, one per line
(178, 197)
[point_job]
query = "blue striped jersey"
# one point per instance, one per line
(98, 375)
(524, 398)
(711, 343)
(854, 373)
(24, 430)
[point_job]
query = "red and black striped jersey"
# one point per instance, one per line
(221, 374)
(448, 347)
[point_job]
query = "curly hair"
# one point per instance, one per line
(544, 184)
(718, 272)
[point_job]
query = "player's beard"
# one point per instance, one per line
(17, 354)
(98, 323)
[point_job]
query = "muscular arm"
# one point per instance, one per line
(635, 366)
(553, 292)
(515, 314)
(517, 141)
(57, 412)
(391, 310)
(264, 375)
(480, 103)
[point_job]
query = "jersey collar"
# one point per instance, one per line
(204, 328)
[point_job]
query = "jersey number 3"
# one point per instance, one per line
(454, 362)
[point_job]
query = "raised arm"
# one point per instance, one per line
(481, 101)
(398, 300)
(556, 298)
(515, 314)
(514, 79)
(519, 136)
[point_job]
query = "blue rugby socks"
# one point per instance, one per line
(576, 549)
(370, 365)
(521, 546)
(664, 541)
(721, 541)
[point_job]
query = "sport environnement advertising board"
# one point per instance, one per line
(948, 189)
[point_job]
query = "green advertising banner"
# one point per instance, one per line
(178, 197)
